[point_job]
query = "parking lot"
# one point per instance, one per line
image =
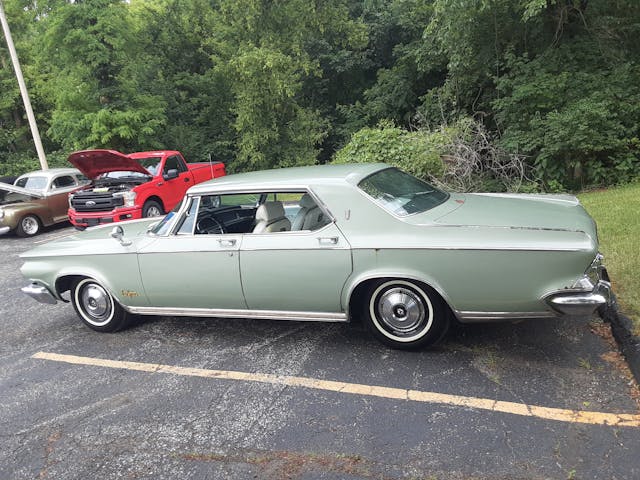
(214, 398)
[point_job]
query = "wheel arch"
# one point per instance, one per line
(155, 198)
(65, 279)
(357, 288)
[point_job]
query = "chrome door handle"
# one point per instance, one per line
(227, 242)
(328, 240)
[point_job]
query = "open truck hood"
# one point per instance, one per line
(93, 163)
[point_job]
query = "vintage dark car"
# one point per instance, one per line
(37, 199)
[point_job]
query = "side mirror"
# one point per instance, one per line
(118, 233)
(171, 174)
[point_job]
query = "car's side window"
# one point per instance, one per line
(289, 212)
(174, 163)
(189, 219)
(63, 182)
(267, 212)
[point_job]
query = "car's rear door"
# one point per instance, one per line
(301, 271)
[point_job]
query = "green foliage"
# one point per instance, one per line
(418, 153)
(262, 84)
(577, 118)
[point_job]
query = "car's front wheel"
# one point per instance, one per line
(405, 314)
(29, 226)
(96, 306)
(151, 208)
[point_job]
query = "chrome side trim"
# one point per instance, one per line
(479, 317)
(479, 249)
(238, 313)
(39, 293)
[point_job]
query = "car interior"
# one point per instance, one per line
(263, 213)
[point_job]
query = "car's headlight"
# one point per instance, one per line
(69, 197)
(1, 214)
(129, 198)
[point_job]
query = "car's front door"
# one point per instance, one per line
(58, 196)
(190, 271)
(302, 271)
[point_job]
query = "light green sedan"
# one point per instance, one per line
(333, 243)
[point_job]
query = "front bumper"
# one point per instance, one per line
(39, 293)
(91, 219)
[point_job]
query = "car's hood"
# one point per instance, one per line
(93, 163)
(96, 241)
(525, 211)
(14, 189)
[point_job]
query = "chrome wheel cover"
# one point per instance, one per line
(403, 312)
(30, 225)
(94, 303)
(153, 212)
(401, 309)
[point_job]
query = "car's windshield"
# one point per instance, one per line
(32, 183)
(152, 164)
(162, 227)
(401, 193)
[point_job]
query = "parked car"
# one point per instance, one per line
(138, 185)
(37, 199)
(330, 243)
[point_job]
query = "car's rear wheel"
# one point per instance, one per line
(96, 307)
(28, 226)
(152, 208)
(406, 314)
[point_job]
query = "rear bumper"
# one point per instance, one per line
(4, 230)
(91, 219)
(582, 303)
(39, 293)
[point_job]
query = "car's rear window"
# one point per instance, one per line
(400, 193)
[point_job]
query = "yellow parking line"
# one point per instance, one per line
(546, 413)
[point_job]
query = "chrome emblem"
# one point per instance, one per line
(91, 203)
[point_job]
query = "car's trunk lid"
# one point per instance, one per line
(501, 210)
(535, 212)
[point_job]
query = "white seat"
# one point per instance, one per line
(309, 217)
(270, 218)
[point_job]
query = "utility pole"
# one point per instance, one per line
(23, 89)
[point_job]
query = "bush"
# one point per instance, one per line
(418, 152)
(460, 157)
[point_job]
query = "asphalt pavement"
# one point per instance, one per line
(195, 398)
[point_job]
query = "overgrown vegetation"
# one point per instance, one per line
(553, 86)
(617, 213)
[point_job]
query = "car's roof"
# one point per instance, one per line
(291, 177)
(52, 172)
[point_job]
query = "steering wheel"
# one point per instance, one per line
(210, 225)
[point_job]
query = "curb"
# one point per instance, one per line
(622, 328)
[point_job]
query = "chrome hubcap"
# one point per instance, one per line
(96, 303)
(153, 212)
(401, 310)
(30, 225)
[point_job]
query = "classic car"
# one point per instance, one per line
(37, 199)
(333, 243)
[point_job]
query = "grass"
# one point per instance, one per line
(617, 213)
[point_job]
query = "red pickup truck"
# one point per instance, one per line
(124, 187)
